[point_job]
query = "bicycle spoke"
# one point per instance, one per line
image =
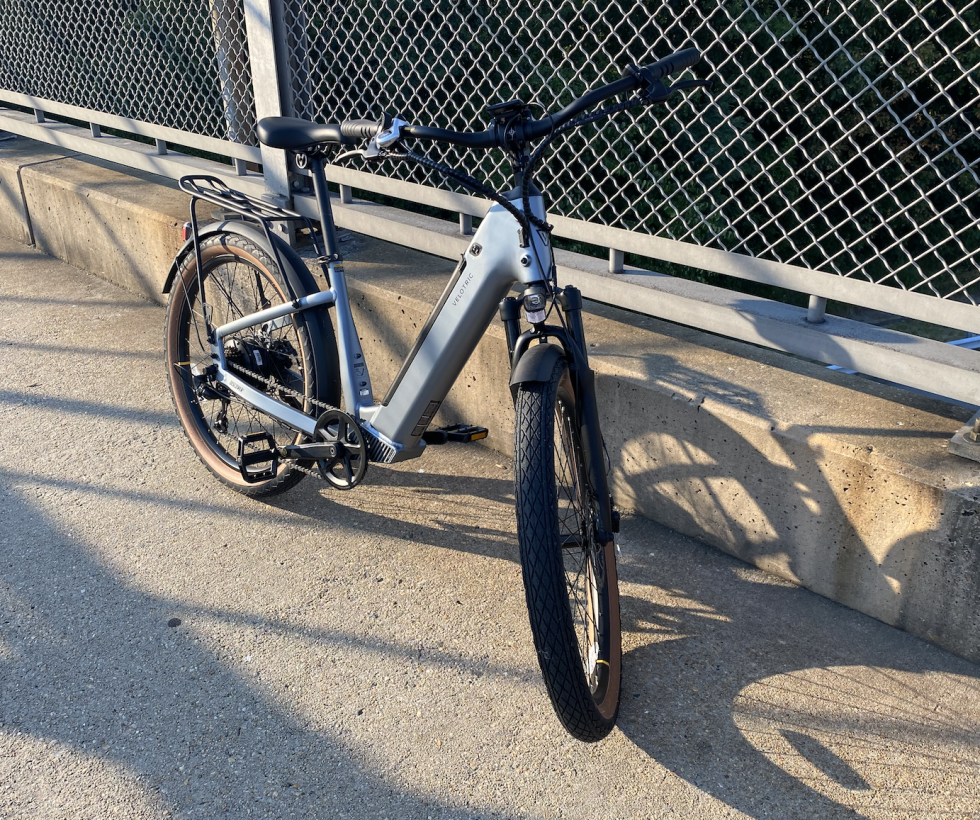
(235, 290)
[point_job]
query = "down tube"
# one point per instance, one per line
(447, 340)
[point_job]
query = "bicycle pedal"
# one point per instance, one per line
(248, 459)
(455, 432)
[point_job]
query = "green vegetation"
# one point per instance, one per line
(839, 136)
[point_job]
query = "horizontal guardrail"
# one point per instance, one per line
(803, 280)
(212, 145)
(129, 153)
(901, 358)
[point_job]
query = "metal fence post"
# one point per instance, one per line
(616, 259)
(816, 310)
(260, 26)
(292, 57)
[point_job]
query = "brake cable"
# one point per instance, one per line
(468, 182)
(578, 122)
(527, 218)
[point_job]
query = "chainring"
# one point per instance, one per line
(348, 468)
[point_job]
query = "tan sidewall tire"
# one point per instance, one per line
(227, 245)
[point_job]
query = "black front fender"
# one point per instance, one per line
(536, 365)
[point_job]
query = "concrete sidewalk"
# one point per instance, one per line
(840, 484)
(366, 654)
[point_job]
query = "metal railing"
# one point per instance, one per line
(836, 157)
(840, 137)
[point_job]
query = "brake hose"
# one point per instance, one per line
(473, 184)
(527, 218)
(578, 122)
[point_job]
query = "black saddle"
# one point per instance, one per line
(292, 134)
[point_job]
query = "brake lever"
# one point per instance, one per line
(657, 94)
(384, 140)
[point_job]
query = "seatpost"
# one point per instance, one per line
(323, 205)
(354, 379)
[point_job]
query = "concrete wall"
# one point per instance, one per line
(122, 227)
(17, 157)
(837, 483)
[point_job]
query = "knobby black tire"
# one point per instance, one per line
(231, 263)
(548, 514)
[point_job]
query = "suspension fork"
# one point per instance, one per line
(583, 383)
(587, 410)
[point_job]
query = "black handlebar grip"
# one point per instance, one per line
(675, 62)
(360, 129)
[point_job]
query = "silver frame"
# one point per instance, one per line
(493, 263)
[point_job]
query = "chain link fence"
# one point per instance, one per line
(179, 63)
(840, 136)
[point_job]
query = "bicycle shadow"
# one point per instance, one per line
(713, 465)
(742, 490)
(782, 704)
(143, 717)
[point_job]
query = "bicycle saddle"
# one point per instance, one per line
(292, 134)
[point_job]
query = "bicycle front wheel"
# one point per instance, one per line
(569, 577)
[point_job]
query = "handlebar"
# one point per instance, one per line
(535, 129)
(529, 130)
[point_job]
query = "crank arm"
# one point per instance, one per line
(329, 451)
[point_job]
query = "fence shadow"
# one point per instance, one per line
(783, 704)
(96, 683)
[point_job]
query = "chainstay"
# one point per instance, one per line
(272, 383)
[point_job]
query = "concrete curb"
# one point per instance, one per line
(841, 485)
(16, 155)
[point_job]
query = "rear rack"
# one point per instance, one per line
(216, 191)
(265, 213)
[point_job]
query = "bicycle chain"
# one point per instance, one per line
(270, 382)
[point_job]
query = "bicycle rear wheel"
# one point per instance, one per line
(569, 577)
(239, 279)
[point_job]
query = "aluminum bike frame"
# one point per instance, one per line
(494, 261)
